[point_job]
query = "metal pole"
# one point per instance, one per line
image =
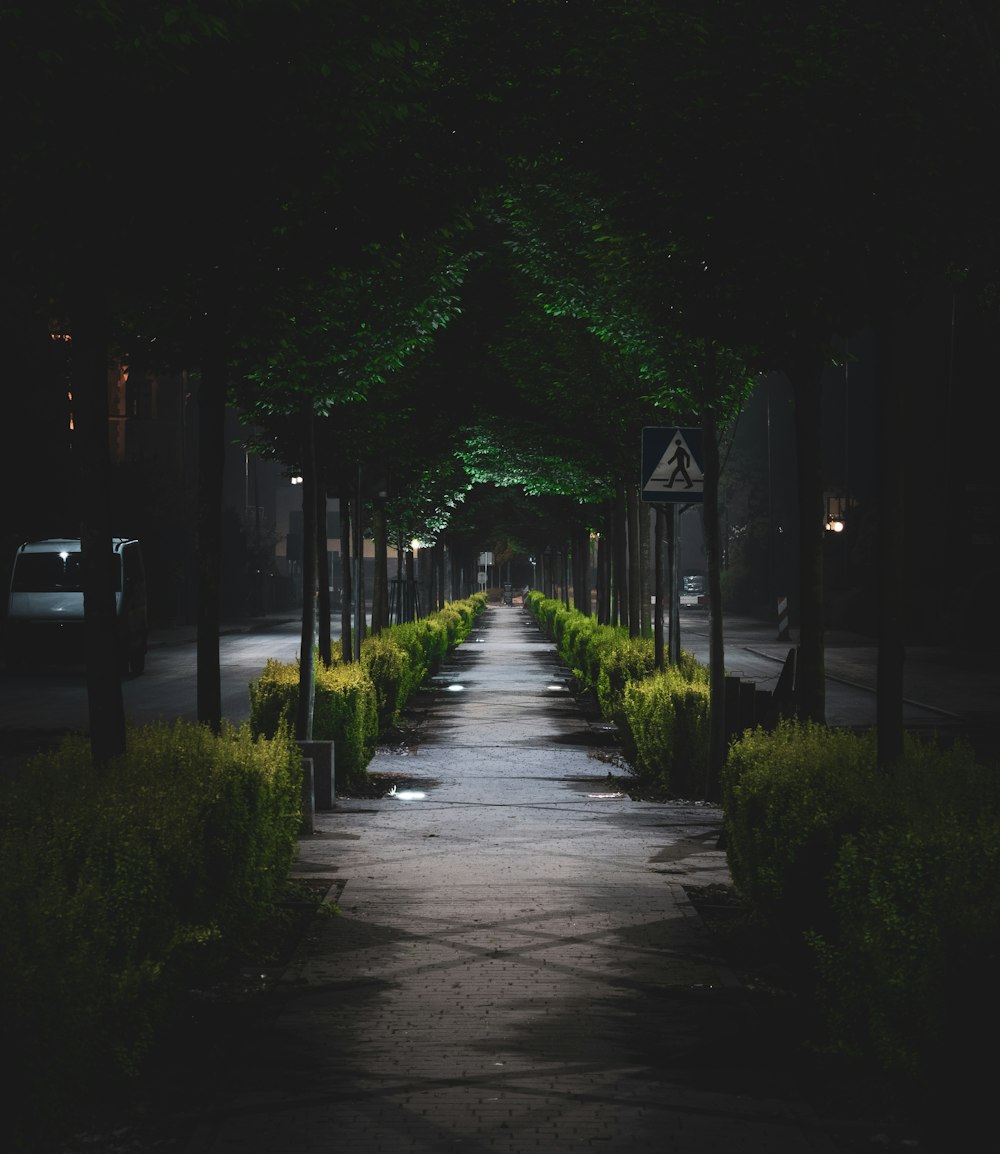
(359, 606)
(674, 553)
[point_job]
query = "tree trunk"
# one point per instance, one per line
(346, 583)
(673, 580)
(359, 571)
(889, 404)
(410, 585)
(307, 668)
(581, 571)
(105, 707)
(713, 556)
(619, 559)
(634, 576)
(642, 513)
(380, 581)
(604, 568)
(810, 675)
(439, 572)
(323, 630)
(208, 595)
(659, 585)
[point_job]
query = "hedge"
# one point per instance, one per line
(116, 884)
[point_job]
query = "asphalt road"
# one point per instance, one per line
(946, 691)
(39, 704)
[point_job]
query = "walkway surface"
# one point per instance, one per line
(516, 966)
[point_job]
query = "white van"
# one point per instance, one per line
(45, 610)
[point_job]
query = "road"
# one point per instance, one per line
(44, 702)
(944, 690)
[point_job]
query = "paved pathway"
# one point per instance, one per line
(516, 967)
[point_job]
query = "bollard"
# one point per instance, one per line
(307, 825)
(782, 618)
(324, 787)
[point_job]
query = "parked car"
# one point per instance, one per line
(45, 607)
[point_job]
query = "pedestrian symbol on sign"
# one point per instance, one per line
(683, 459)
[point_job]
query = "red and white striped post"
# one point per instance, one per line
(782, 618)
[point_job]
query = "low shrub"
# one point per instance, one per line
(623, 660)
(889, 878)
(385, 661)
(117, 884)
(908, 971)
(667, 720)
(345, 711)
(790, 798)
(357, 702)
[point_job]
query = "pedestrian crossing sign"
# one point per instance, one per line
(672, 465)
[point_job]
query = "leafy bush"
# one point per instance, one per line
(385, 661)
(115, 882)
(345, 711)
(624, 660)
(911, 963)
(667, 719)
(790, 798)
(357, 702)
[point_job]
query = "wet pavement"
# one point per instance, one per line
(947, 692)
(516, 966)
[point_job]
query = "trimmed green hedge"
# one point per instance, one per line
(357, 703)
(345, 711)
(888, 877)
(117, 884)
(661, 716)
(790, 798)
(667, 720)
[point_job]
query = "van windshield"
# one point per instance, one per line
(52, 573)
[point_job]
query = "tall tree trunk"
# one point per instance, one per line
(642, 514)
(889, 405)
(810, 668)
(307, 667)
(604, 568)
(324, 636)
(410, 584)
(634, 580)
(211, 462)
(566, 560)
(659, 585)
(619, 561)
(359, 571)
(380, 580)
(105, 707)
(713, 555)
(581, 570)
(455, 574)
(438, 553)
(429, 567)
(673, 522)
(346, 581)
